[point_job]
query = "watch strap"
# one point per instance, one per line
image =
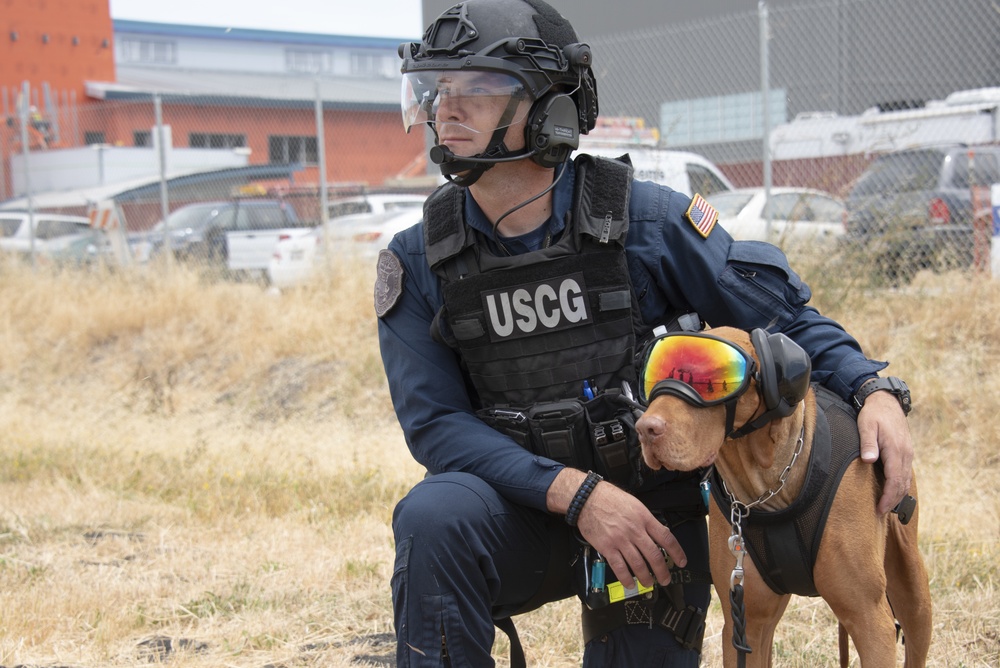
(890, 384)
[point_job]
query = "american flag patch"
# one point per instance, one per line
(702, 215)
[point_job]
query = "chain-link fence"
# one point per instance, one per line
(847, 82)
(237, 174)
(835, 86)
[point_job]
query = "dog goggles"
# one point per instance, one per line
(702, 369)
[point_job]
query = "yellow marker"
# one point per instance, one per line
(619, 592)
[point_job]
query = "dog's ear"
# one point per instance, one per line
(784, 371)
(765, 441)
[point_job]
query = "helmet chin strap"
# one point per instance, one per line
(452, 166)
(464, 172)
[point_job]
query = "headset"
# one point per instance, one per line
(551, 134)
(784, 371)
(553, 129)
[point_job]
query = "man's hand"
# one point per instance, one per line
(617, 525)
(885, 434)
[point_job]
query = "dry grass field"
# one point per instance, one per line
(201, 473)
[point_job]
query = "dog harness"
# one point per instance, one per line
(784, 543)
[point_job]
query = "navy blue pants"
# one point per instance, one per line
(466, 556)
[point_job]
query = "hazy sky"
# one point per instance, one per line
(373, 18)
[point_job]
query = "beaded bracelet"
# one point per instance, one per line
(582, 494)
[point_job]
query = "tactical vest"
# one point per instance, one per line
(784, 543)
(547, 337)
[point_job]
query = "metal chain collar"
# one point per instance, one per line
(739, 510)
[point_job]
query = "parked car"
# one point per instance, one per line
(364, 236)
(80, 250)
(59, 239)
(912, 209)
(296, 259)
(683, 171)
(238, 234)
(799, 216)
(374, 203)
(49, 228)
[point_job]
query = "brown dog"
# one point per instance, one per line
(865, 563)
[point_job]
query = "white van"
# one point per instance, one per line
(685, 172)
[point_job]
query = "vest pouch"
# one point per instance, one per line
(508, 421)
(597, 435)
(558, 430)
(611, 428)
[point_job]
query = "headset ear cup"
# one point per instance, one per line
(768, 380)
(553, 130)
(785, 371)
(793, 371)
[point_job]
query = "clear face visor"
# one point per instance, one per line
(478, 101)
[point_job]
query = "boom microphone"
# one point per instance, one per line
(441, 154)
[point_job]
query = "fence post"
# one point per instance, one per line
(765, 103)
(324, 213)
(321, 157)
(26, 150)
(162, 154)
(982, 228)
(982, 219)
(995, 239)
(4, 155)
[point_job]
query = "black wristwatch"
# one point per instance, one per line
(892, 385)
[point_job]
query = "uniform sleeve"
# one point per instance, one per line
(745, 284)
(430, 397)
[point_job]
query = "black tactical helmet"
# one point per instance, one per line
(527, 40)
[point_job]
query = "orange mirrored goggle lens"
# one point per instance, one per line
(714, 368)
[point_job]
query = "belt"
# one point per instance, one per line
(685, 622)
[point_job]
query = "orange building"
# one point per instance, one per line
(96, 82)
(53, 46)
(60, 42)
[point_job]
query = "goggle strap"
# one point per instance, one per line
(753, 425)
(730, 416)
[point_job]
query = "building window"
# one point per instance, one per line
(142, 138)
(216, 140)
(725, 118)
(366, 64)
(309, 61)
(147, 51)
(287, 150)
(93, 137)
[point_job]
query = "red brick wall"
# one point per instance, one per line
(360, 146)
(62, 42)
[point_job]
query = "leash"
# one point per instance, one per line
(517, 658)
(737, 513)
(738, 609)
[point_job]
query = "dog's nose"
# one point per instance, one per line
(650, 427)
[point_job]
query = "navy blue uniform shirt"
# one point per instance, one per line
(744, 284)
